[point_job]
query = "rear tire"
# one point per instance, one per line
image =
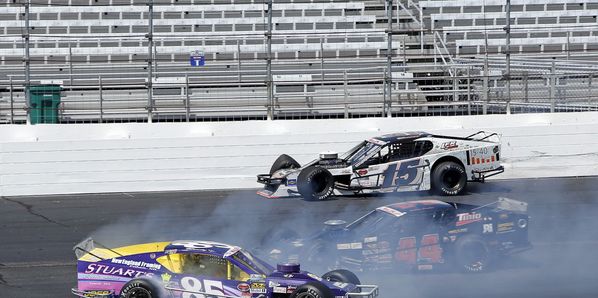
(449, 179)
(315, 184)
(140, 288)
(312, 289)
(342, 275)
(472, 254)
(284, 162)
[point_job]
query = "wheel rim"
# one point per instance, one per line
(306, 295)
(451, 178)
(140, 293)
(319, 183)
(475, 256)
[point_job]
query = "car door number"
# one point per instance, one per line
(405, 175)
(429, 249)
(209, 287)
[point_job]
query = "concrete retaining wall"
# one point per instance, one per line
(86, 158)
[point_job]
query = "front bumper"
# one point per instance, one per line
(268, 180)
(365, 291)
(93, 293)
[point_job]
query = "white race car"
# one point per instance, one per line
(411, 161)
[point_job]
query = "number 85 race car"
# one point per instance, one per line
(412, 161)
(200, 269)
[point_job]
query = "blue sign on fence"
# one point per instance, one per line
(197, 58)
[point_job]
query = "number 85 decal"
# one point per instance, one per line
(406, 174)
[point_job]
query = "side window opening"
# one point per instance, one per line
(408, 150)
(202, 264)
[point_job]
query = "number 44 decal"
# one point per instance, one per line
(407, 173)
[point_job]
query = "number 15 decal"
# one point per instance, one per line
(407, 173)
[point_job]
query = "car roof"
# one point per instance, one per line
(402, 136)
(218, 249)
(402, 208)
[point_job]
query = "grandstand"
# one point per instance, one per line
(116, 61)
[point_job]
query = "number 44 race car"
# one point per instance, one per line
(201, 269)
(398, 162)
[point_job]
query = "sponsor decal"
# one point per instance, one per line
(362, 172)
(291, 182)
(260, 288)
(288, 276)
(370, 239)
(282, 290)
(97, 293)
(151, 266)
(110, 270)
(457, 231)
(467, 218)
(425, 267)
(449, 145)
(243, 287)
(314, 276)
(503, 216)
(354, 245)
(505, 227)
(166, 277)
(340, 284)
(390, 211)
(487, 228)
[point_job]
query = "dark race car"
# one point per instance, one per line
(417, 235)
(201, 269)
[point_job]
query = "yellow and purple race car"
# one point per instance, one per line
(201, 269)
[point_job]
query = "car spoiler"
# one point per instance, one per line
(481, 136)
(507, 205)
(87, 246)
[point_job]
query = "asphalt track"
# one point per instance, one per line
(38, 233)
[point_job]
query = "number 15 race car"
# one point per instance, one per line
(201, 269)
(398, 162)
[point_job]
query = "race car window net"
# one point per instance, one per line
(367, 150)
(253, 262)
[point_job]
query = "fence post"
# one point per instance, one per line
(269, 83)
(70, 65)
(150, 100)
(322, 59)
(346, 94)
(239, 61)
(552, 87)
(590, 77)
(27, 63)
(101, 99)
(187, 101)
(388, 99)
(12, 111)
(525, 87)
(469, 90)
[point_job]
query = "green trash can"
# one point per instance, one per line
(43, 103)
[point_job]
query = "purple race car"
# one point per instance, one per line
(201, 269)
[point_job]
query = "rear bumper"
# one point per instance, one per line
(480, 176)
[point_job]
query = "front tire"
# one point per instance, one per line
(342, 275)
(315, 184)
(312, 289)
(284, 162)
(472, 254)
(449, 179)
(140, 288)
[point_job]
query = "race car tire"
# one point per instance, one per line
(315, 184)
(284, 162)
(449, 178)
(140, 288)
(312, 289)
(342, 275)
(472, 254)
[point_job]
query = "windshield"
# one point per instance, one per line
(358, 154)
(371, 222)
(253, 262)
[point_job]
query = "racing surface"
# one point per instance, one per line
(37, 235)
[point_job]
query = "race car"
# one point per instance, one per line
(412, 161)
(417, 235)
(201, 269)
